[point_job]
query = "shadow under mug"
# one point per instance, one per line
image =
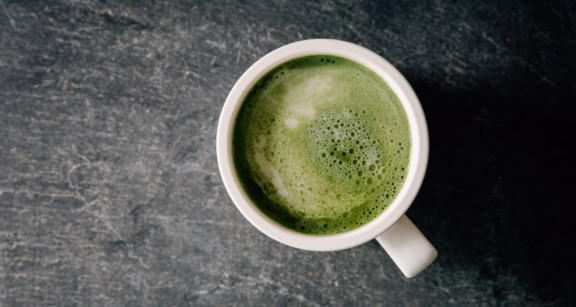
(399, 237)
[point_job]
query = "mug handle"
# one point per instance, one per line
(407, 247)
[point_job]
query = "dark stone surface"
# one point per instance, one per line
(109, 188)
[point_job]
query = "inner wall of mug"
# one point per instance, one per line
(418, 154)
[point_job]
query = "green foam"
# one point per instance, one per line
(322, 145)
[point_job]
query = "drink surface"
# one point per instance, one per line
(321, 145)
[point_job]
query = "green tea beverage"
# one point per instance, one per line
(321, 144)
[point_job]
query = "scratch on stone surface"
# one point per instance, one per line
(259, 262)
(219, 46)
(353, 29)
(147, 287)
(191, 167)
(10, 245)
(108, 225)
(550, 82)
(213, 223)
(413, 54)
(490, 40)
(169, 220)
(73, 169)
(466, 25)
(269, 34)
(65, 86)
(140, 260)
(10, 19)
(205, 26)
(456, 69)
(177, 139)
(51, 195)
(283, 290)
(202, 292)
(102, 218)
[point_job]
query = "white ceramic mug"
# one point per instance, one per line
(405, 244)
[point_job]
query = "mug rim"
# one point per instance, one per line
(418, 155)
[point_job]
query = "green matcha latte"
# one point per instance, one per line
(321, 144)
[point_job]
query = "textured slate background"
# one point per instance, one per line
(109, 188)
